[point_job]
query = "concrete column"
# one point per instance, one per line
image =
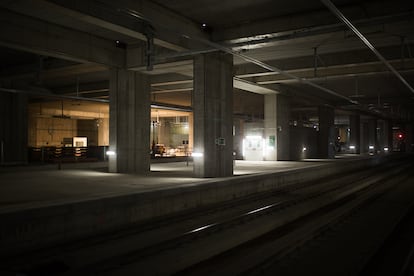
(270, 126)
(276, 127)
(129, 130)
(326, 136)
(372, 135)
(364, 137)
(213, 115)
(355, 133)
(409, 141)
(190, 133)
(103, 132)
(388, 135)
(13, 128)
(381, 135)
(283, 128)
(238, 137)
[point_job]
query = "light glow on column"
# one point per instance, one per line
(197, 154)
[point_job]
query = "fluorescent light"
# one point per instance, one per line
(110, 153)
(352, 147)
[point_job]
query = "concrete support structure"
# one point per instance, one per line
(103, 132)
(276, 127)
(326, 137)
(190, 145)
(13, 128)
(213, 115)
(129, 134)
(382, 137)
(364, 137)
(270, 126)
(44, 38)
(409, 139)
(388, 135)
(355, 133)
(372, 135)
(283, 128)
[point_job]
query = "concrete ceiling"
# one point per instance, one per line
(66, 47)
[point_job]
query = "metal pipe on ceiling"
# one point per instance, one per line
(234, 53)
(270, 68)
(342, 17)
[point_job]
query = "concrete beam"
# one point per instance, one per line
(170, 27)
(337, 71)
(252, 87)
(127, 18)
(311, 23)
(71, 71)
(43, 38)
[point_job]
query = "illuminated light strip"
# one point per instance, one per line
(263, 208)
(260, 209)
(201, 228)
(248, 213)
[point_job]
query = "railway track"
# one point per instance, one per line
(192, 242)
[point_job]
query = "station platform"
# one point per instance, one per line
(43, 205)
(26, 187)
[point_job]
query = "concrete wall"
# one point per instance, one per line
(51, 121)
(51, 131)
(89, 129)
(13, 128)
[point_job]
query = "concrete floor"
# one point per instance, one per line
(35, 186)
(25, 187)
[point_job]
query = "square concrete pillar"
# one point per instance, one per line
(364, 137)
(283, 128)
(390, 135)
(382, 136)
(213, 115)
(129, 123)
(355, 133)
(372, 135)
(326, 136)
(190, 145)
(13, 128)
(276, 127)
(385, 136)
(409, 141)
